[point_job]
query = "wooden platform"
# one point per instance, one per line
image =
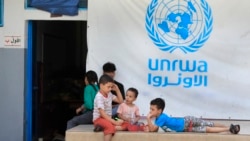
(85, 133)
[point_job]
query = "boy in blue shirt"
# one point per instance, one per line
(183, 124)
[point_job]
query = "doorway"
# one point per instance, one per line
(59, 50)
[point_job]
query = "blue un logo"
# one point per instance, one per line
(182, 24)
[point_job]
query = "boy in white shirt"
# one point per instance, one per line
(103, 107)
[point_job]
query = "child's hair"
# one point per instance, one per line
(134, 90)
(105, 79)
(159, 102)
(109, 67)
(91, 77)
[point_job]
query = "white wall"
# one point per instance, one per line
(16, 15)
(13, 65)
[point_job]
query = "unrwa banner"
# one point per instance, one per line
(192, 53)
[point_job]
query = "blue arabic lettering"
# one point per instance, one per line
(186, 82)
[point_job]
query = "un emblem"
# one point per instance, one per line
(179, 24)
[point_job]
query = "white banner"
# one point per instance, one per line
(192, 53)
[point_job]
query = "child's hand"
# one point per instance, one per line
(78, 110)
(145, 128)
(115, 87)
(118, 122)
(149, 116)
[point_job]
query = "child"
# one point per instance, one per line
(109, 68)
(128, 111)
(186, 124)
(103, 107)
(90, 91)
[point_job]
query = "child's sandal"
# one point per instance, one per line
(234, 129)
(98, 128)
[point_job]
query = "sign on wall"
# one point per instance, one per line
(12, 40)
(192, 53)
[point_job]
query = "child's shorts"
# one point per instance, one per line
(194, 124)
(108, 127)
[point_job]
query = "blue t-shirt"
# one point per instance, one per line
(173, 123)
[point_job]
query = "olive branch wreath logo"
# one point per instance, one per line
(195, 45)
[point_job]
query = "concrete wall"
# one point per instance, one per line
(12, 94)
(12, 65)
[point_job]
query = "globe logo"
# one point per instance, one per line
(182, 24)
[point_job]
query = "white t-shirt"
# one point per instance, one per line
(104, 103)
